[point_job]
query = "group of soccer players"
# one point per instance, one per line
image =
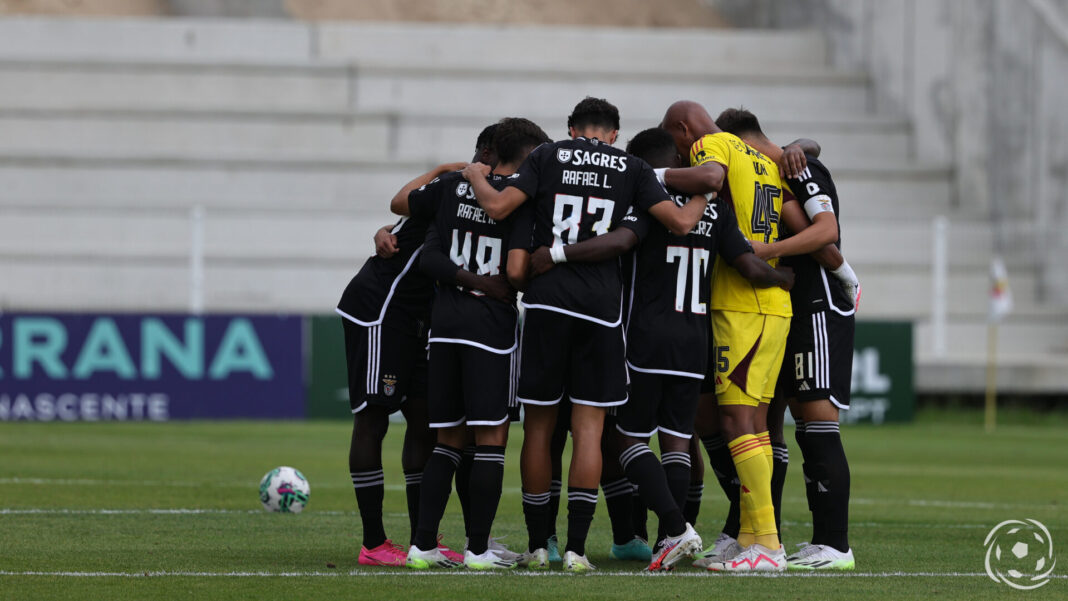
(654, 302)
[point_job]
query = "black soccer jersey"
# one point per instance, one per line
(394, 282)
(814, 289)
(669, 285)
(463, 236)
(582, 188)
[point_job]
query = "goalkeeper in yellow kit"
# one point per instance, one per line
(749, 325)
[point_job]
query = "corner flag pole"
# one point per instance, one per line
(1000, 306)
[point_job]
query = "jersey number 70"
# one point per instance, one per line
(689, 270)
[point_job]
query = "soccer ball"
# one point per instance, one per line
(284, 490)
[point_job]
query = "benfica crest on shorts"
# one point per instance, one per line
(563, 155)
(389, 385)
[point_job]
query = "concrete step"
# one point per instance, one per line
(144, 284)
(891, 292)
(446, 45)
(1027, 334)
(122, 178)
(279, 236)
(904, 242)
(455, 91)
(435, 45)
(338, 135)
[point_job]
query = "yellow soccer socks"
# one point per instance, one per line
(754, 472)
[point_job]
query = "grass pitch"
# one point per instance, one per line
(158, 511)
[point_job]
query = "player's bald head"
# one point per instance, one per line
(687, 121)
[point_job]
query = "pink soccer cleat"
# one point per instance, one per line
(386, 554)
(447, 552)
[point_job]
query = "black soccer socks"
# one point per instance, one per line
(644, 469)
(719, 457)
(536, 513)
(829, 471)
(692, 509)
(463, 486)
(677, 471)
(487, 475)
(780, 462)
(369, 486)
(437, 483)
(413, 481)
(581, 503)
(617, 498)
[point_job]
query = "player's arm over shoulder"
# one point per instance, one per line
(709, 160)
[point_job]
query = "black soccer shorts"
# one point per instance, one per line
(386, 363)
(470, 385)
(659, 402)
(819, 358)
(563, 352)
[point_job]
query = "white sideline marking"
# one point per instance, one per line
(469, 574)
(202, 511)
(507, 490)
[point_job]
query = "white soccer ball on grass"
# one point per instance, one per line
(284, 490)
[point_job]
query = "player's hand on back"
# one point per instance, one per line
(498, 288)
(385, 243)
(476, 170)
(540, 261)
(787, 273)
(793, 161)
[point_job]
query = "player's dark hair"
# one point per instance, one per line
(515, 137)
(655, 146)
(739, 122)
(594, 112)
(485, 139)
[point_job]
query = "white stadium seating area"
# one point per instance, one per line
(294, 136)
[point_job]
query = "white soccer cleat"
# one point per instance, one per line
(538, 559)
(754, 558)
(674, 548)
(573, 562)
(424, 560)
(499, 548)
(725, 547)
(489, 560)
(821, 557)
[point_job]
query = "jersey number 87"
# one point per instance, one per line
(567, 215)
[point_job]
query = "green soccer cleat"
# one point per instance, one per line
(635, 549)
(554, 550)
(821, 557)
(577, 564)
(538, 559)
(434, 558)
(489, 560)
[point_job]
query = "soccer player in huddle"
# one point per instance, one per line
(473, 344)
(749, 326)
(384, 311)
(816, 374)
(667, 333)
(572, 338)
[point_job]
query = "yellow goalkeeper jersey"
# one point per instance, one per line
(755, 190)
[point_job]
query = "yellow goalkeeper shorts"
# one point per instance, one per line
(749, 351)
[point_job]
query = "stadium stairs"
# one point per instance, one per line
(294, 136)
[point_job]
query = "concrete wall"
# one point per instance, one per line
(982, 81)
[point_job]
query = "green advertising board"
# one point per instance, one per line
(325, 374)
(882, 389)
